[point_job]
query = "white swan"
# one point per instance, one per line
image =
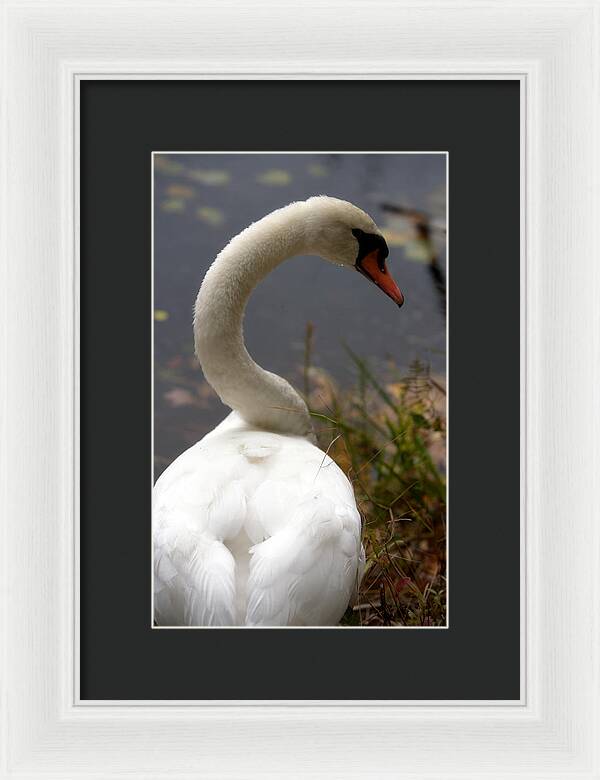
(254, 525)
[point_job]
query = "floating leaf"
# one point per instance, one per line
(160, 315)
(163, 164)
(210, 215)
(179, 191)
(212, 178)
(316, 169)
(179, 396)
(275, 177)
(173, 205)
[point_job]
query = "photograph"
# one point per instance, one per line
(300, 369)
(299, 410)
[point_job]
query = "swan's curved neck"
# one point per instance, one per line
(263, 399)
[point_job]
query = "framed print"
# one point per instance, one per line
(424, 605)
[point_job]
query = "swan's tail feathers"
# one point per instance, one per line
(196, 588)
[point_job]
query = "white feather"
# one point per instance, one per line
(254, 525)
(302, 534)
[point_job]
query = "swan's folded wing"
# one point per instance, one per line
(305, 573)
(194, 581)
(194, 510)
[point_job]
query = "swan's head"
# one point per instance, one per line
(345, 235)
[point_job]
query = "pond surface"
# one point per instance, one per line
(201, 201)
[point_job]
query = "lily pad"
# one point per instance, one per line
(180, 191)
(210, 215)
(173, 205)
(179, 396)
(166, 165)
(212, 178)
(276, 177)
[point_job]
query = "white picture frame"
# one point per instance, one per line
(551, 48)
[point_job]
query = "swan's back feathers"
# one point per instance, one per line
(284, 508)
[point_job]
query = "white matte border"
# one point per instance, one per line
(552, 47)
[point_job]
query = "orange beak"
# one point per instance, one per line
(376, 270)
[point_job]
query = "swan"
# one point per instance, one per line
(255, 525)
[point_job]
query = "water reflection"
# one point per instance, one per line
(424, 230)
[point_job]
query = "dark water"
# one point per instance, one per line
(201, 201)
